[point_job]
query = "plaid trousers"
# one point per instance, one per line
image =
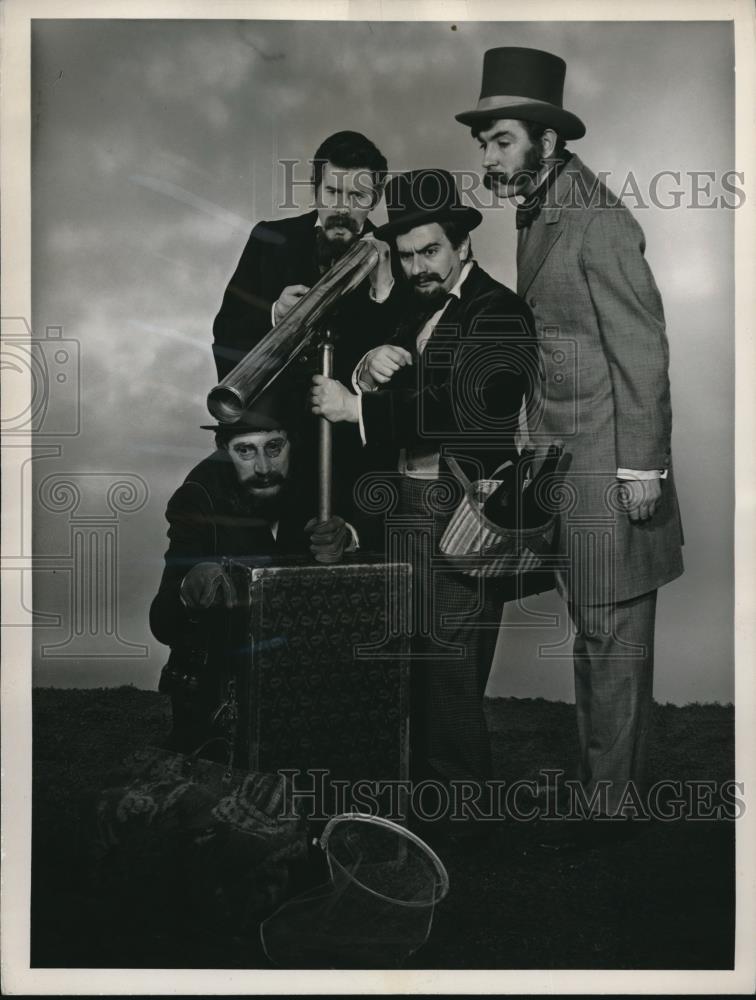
(454, 635)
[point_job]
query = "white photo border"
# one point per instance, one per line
(17, 977)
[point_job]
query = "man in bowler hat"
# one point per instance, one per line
(449, 380)
(242, 503)
(600, 323)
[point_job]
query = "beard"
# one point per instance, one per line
(508, 184)
(330, 246)
(429, 292)
(429, 288)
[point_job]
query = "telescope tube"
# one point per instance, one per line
(274, 353)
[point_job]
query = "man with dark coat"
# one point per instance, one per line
(600, 323)
(449, 382)
(242, 504)
(284, 258)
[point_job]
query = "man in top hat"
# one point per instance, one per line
(600, 323)
(449, 380)
(242, 503)
(284, 258)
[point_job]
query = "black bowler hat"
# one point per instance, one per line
(420, 197)
(526, 84)
(271, 411)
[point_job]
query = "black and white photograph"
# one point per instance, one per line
(377, 498)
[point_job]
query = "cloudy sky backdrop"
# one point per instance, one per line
(155, 148)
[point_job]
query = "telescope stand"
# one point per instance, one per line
(325, 442)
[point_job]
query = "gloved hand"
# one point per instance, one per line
(328, 539)
(206, 586)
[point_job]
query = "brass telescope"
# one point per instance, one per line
(299, 327)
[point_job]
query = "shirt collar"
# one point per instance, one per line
(457, 290)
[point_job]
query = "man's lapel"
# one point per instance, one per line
(450, 328)
(535, 248)
(536, 243)
(408, 328)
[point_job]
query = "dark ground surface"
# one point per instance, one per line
(662, 900)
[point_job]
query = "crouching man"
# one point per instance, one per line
(242, 504)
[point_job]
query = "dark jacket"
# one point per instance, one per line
(208, 520)
(277, 254)
(463, 395)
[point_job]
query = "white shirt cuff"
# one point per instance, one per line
(641, 474)
(359, 415)
(362, 386)
(273, 313)
(355, 538)
(381, 298)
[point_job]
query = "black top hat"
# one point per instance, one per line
(524, 84)
(423, 196)
(271, 411)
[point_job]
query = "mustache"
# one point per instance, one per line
(341, 220)
(425, 279)
(263, 482)
(498, 177)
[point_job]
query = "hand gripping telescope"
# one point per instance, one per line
(296, 331)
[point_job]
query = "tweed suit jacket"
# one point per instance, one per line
(605, 391)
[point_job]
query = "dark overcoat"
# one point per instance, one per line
(209, 520)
